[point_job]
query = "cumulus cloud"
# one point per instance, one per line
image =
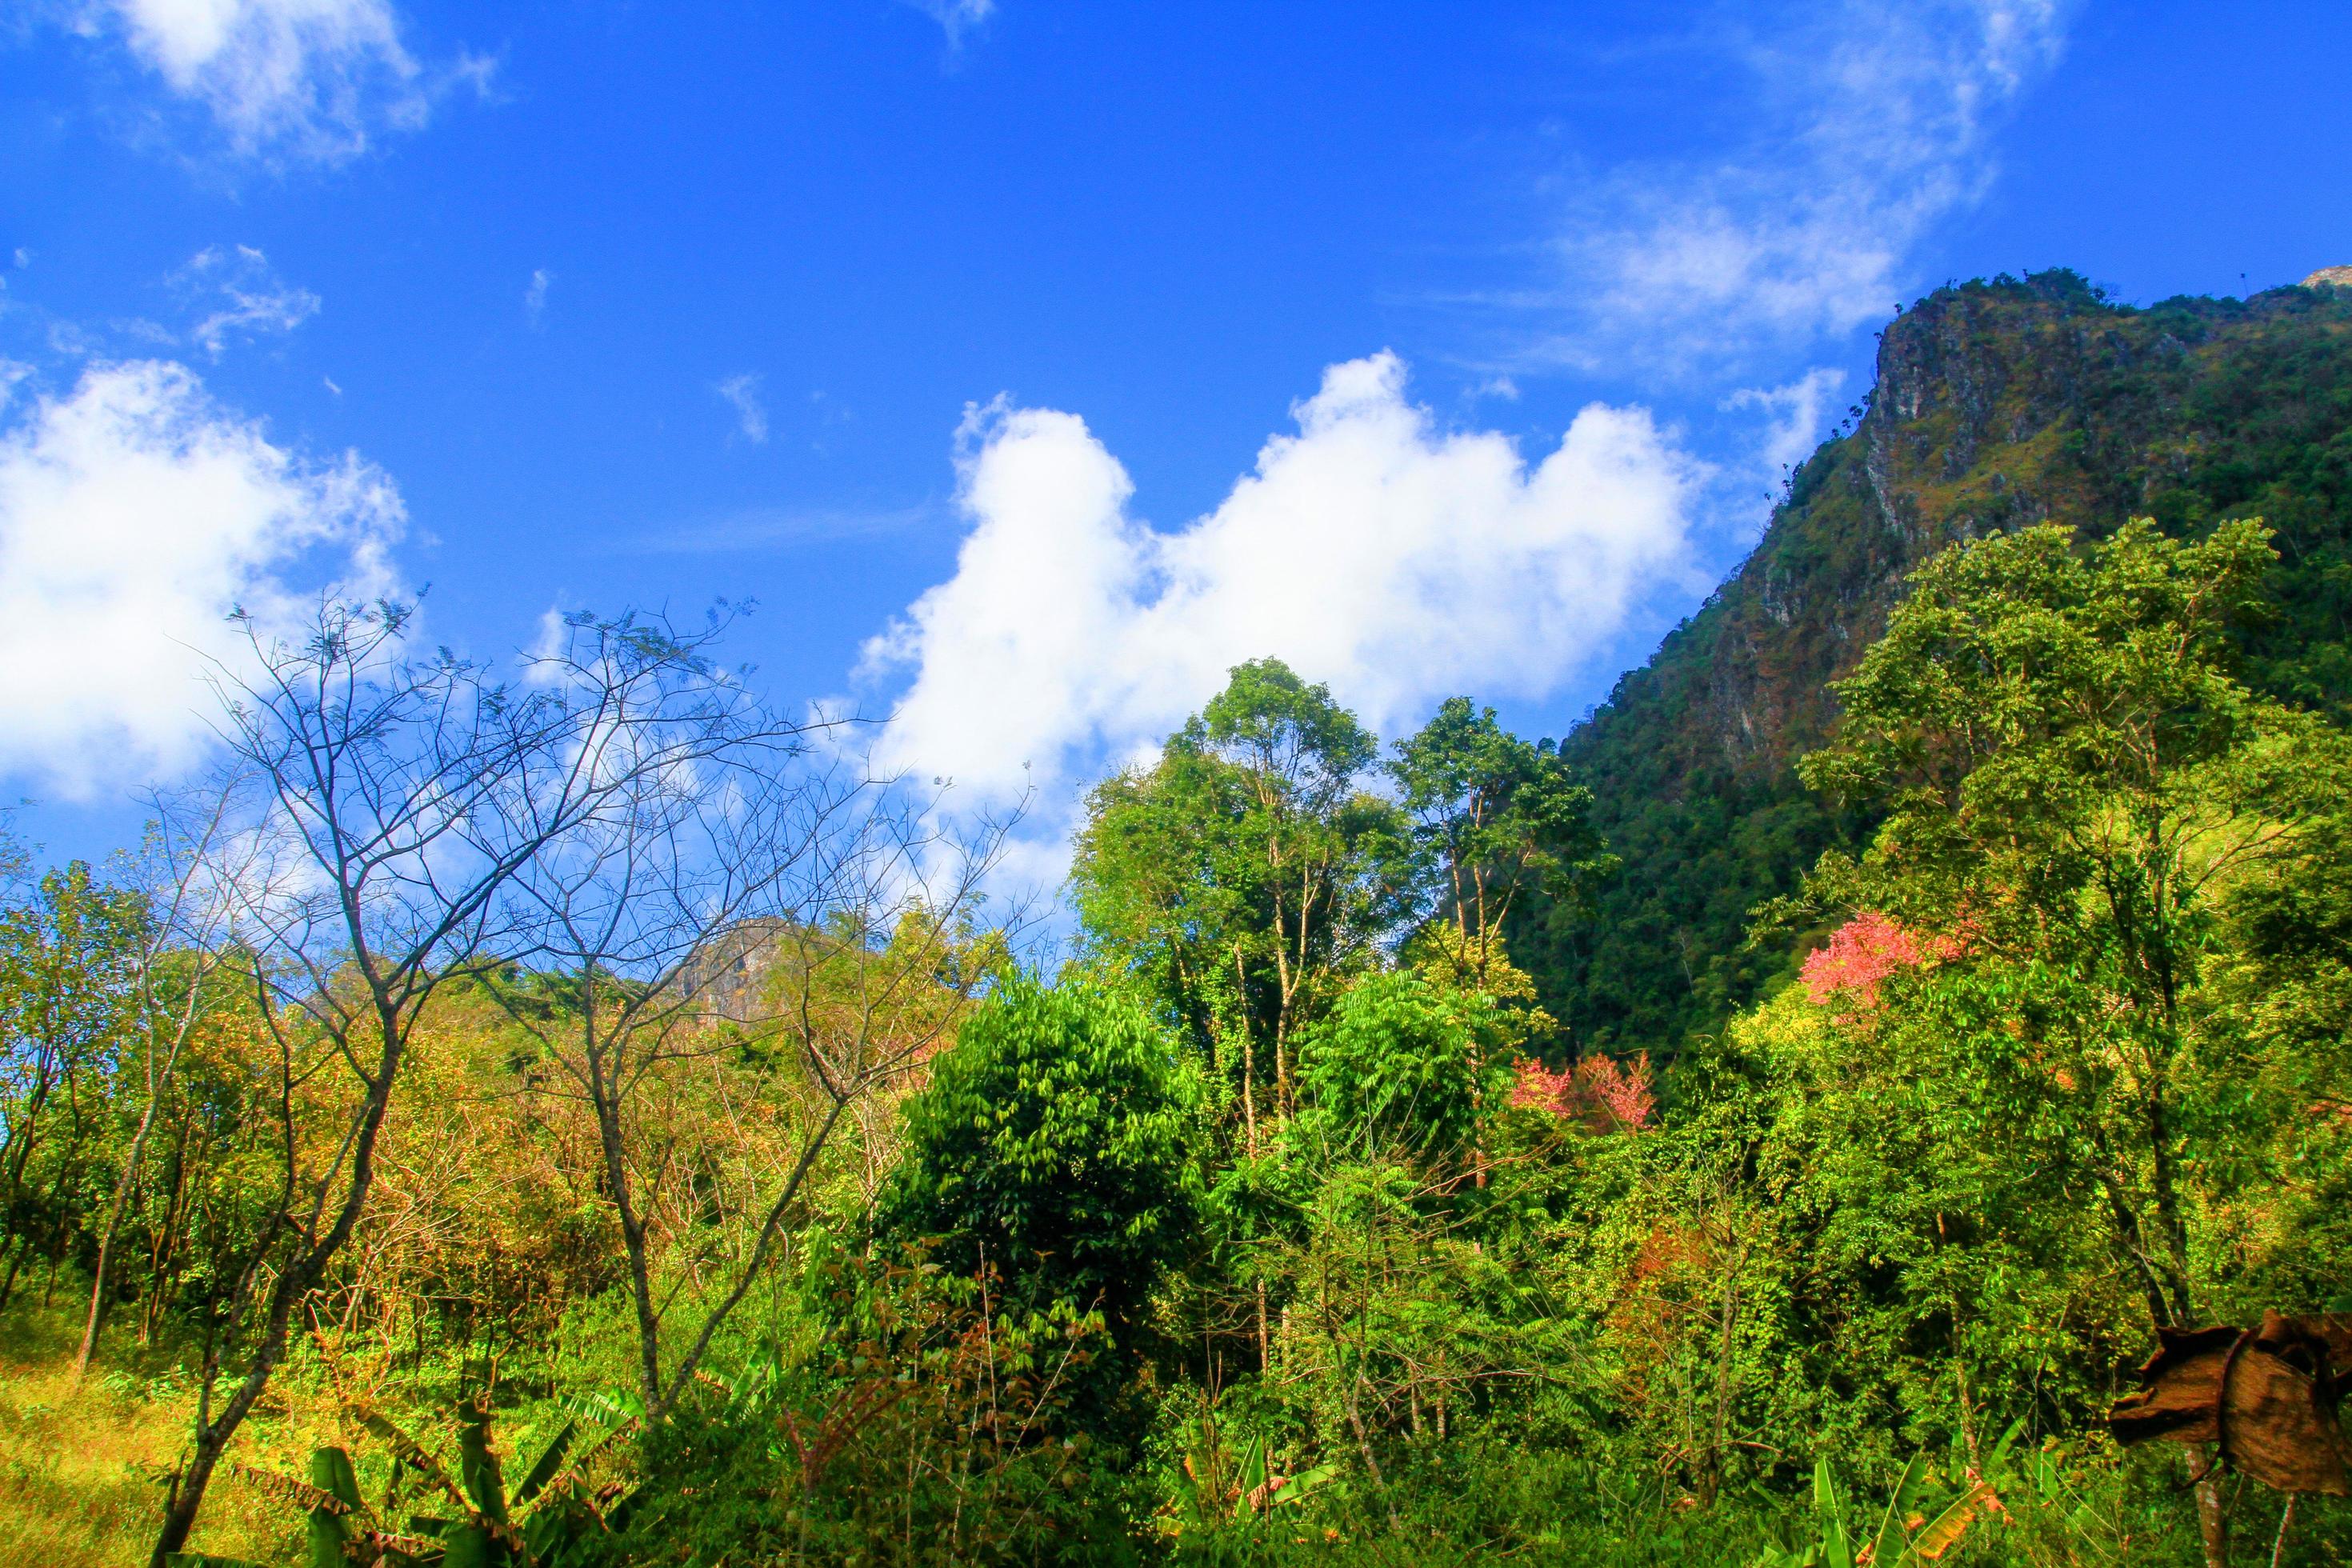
(310, 78)
(239, 296)
(1870, 122)
(1372, 549)
(742, 394)
(135, 514)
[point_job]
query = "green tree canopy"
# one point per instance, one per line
(1494, 817)
(1246, 875)
(1050, 1145)
(1400, 1066)
(2074, 779)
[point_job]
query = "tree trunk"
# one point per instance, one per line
(2170, 1222)
(187, 1487)
(1711, 1478)
(163, 1248)
(122, 1185)
(633, 1241)
(2212, 1512)
(15, 1261)
(303, 1274)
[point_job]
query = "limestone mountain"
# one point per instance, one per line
(1997, 405)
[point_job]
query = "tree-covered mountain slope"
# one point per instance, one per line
(1997, 405)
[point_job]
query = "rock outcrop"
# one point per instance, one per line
(1997, 405)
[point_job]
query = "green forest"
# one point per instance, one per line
(1879, 1092)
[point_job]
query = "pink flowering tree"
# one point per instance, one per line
(1607, 1096)
(1862, 953)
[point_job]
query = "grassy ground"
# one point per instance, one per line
(79, 1462)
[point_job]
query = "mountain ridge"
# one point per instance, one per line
(1997, 404)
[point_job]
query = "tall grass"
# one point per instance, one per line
(81, 1462)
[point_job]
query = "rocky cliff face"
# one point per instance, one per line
(1997, 405)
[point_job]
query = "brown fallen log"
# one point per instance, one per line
(2268, 1398)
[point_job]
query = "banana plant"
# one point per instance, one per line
(1905, 1535)
(550, 1514)
(339, 1528)
(1223, 1481)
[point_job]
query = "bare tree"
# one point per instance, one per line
(866, 993)
(806, 906)
(191, 878)
(405, 795)
(634, 915)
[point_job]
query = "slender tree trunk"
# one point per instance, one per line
(758, 1260)
(96, 1292)
(123, 1182)
(1249, 1103)
(1249, 1052)
(301, 1275)
(633, 1237)
(20, 1153)
(212, 1438)
(2168, 1217)
(1711, 1482)
(1363, 1438)
(163, 1251)
(59, 1233)
(18, 1245)
(158, 1082)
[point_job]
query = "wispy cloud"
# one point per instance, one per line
(956, 17)
(135, 513)
(1866, 122)
(534, 296)
(742, 394)
(239, 296)
(309, 80)
(772, 528)
(1795, 415)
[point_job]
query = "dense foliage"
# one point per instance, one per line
(1047, 1158)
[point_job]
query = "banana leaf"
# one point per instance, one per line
(328, 1531)
(543, 1468)
(1945, 1530)
(1887, 1545)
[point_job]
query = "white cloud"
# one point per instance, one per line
(312, 78)
(241, 296)
(1373, 549)
(1870, 122)
(742, 392)
(534, 298)
(135, 513)
(956, 17)
(1794, 416)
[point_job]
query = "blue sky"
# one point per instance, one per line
(955, 334)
